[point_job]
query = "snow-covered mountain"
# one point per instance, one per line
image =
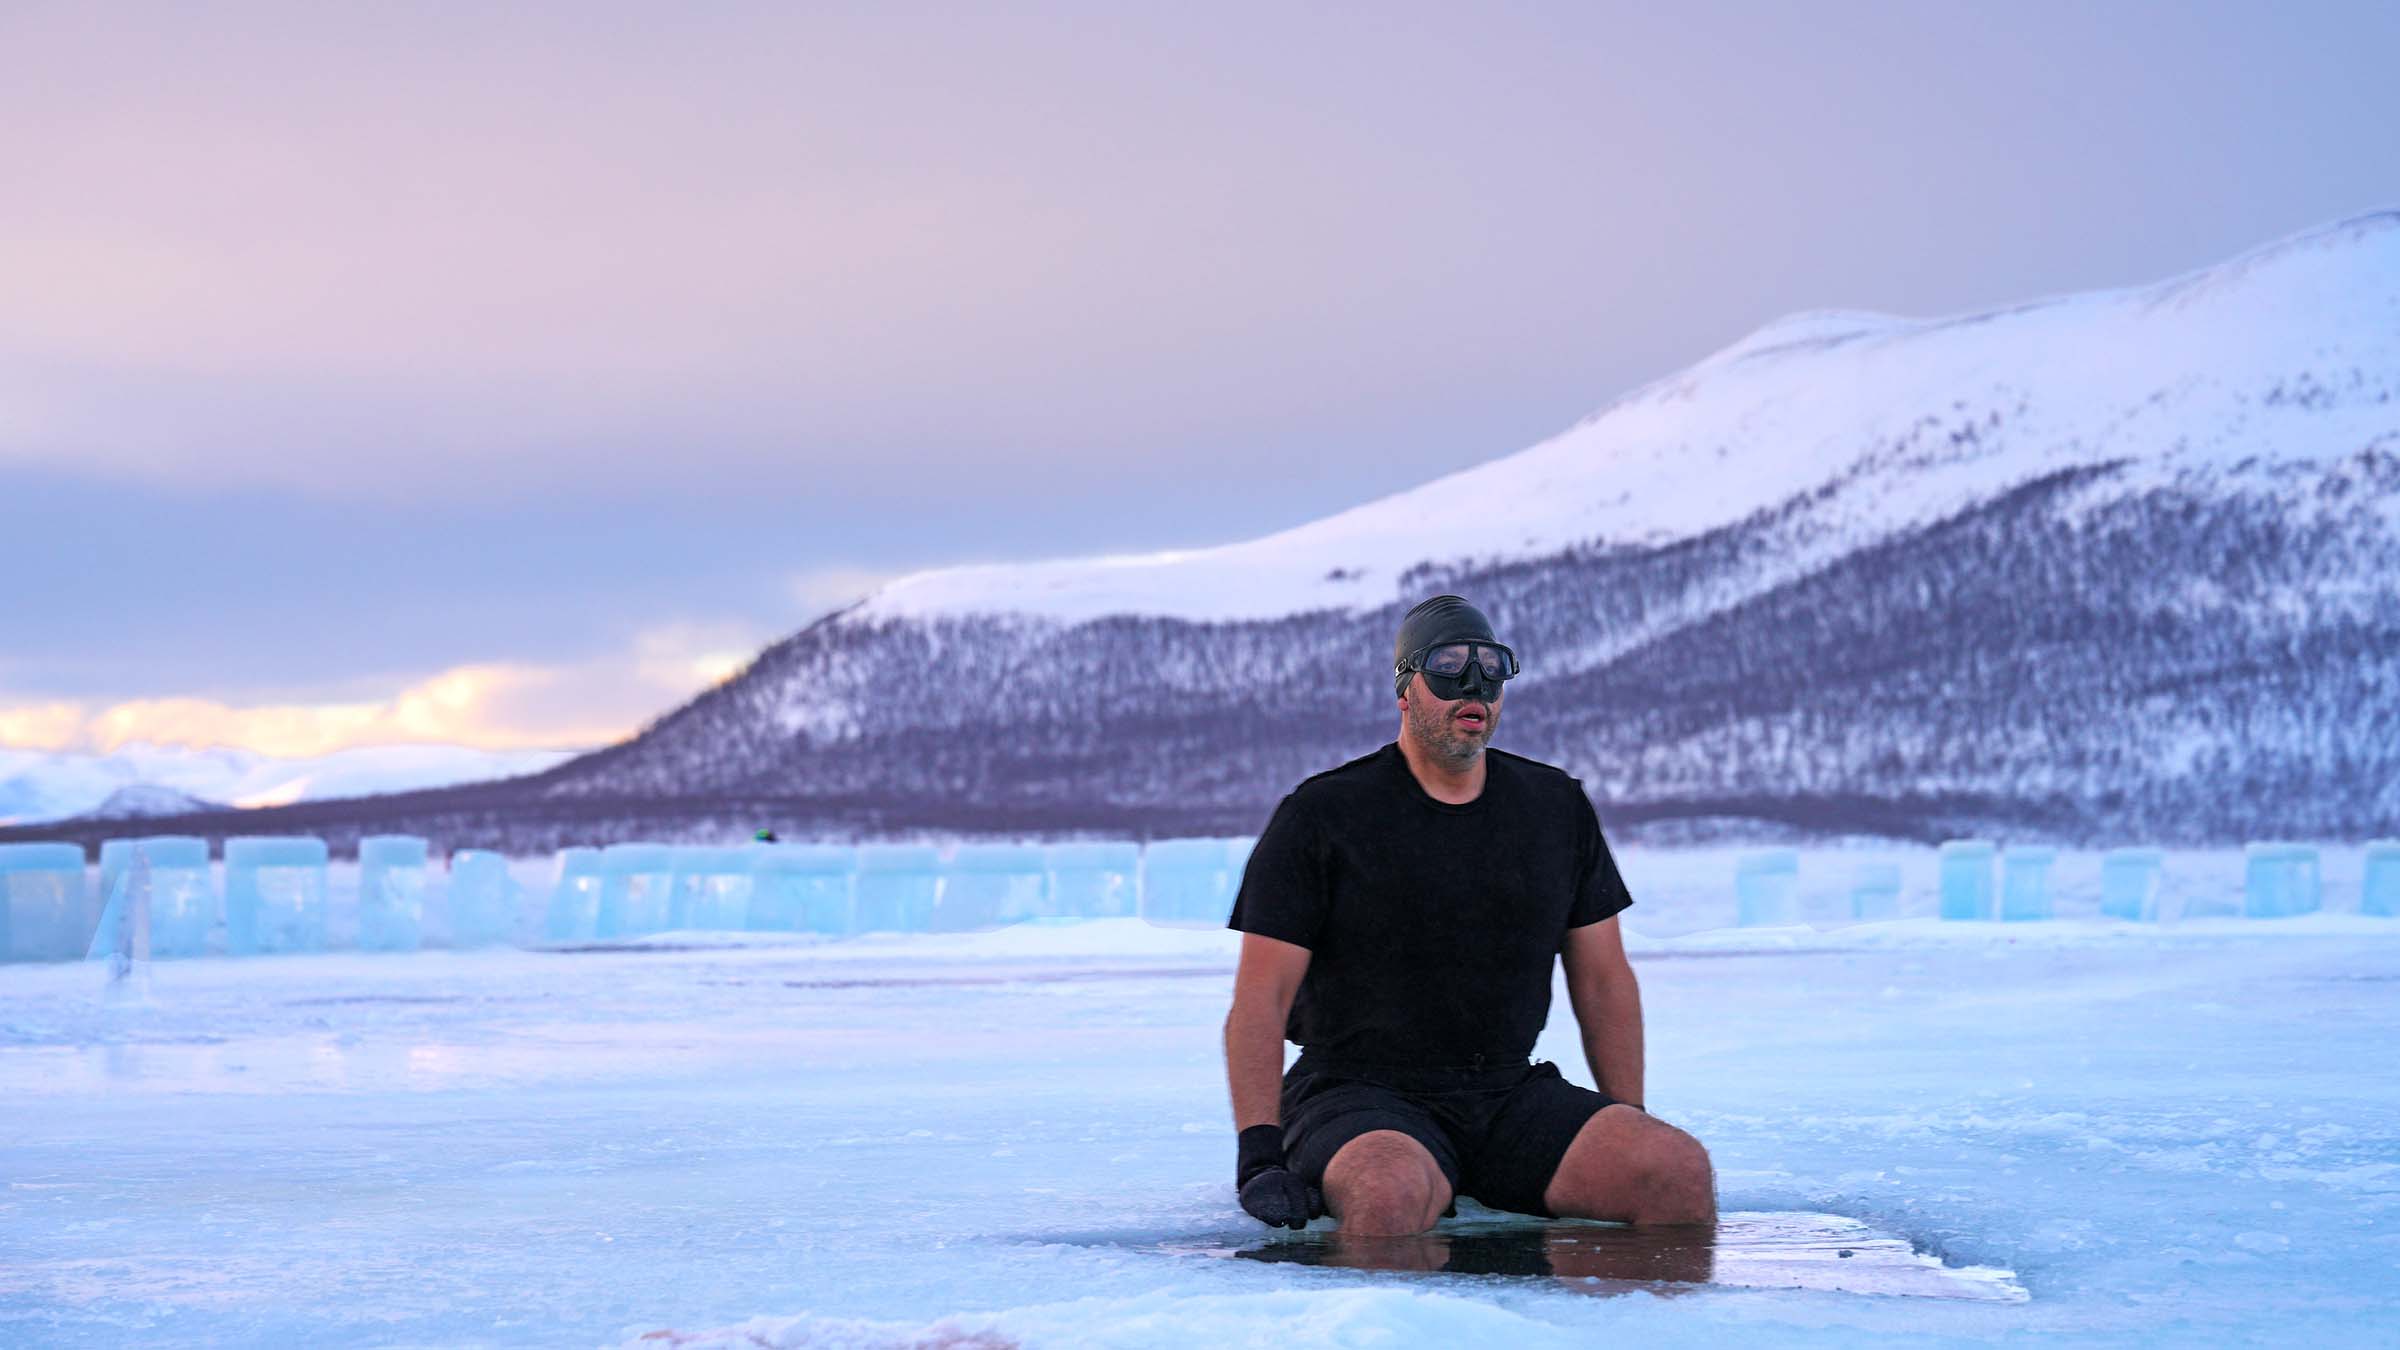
(37, 785)
(2119, 566)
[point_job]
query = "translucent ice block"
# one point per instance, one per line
(574, 911)
(2025, 882)
(391, 892)
(45, 914)
(483, 899)
(802, 888)
(637, 890)
(1875, 891)
(2379, 888)
(1189, 883)
(1092, 881)
(2129, 883)
(1967, 879)
(1766, 889)
(274, 894)
(2279, 881)
(991, 885)
(898, 886)
(180, 914)
(712, 889)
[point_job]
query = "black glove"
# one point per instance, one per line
(1270, 1193)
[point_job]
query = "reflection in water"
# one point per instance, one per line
(1565, 1249)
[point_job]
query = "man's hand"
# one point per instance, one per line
(1270, 1192)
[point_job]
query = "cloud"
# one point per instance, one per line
(497, 706)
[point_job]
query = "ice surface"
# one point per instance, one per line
(2280, 880)
(2178, 1133)
(45, 912)
(2025, 882)
(275, 895)
(1764, 885)
(1967, 879)
(391, 892)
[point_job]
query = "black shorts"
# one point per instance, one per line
(1497, 1134)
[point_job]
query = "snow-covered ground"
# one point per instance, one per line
(2187, 1133)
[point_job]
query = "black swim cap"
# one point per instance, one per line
(1444, 618)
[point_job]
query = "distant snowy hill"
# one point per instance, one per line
(145, 800)
(41, 785)
(2121, 566)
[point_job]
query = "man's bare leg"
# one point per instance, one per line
(1631, 1168)
(1384, 1184)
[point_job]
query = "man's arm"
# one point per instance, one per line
(1608, 1008)
(1264, 985)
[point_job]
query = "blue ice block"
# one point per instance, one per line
(1766, 889)
(1967, 879)
(2279, 881)
(2379, 888)
(1875, 891)
(180, 908)
(637, 890)
(992, 885)
(1189, 883)
(897, 889)
(573, 914)
(483, 899)
(2129, 883)
(45, 914)
(114, 855)
(712, 889)
(2025, 882)
(391, 892)
(274, 894)
(1093, 881)
(803, 888)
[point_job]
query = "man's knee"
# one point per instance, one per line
(1628, 1167)
(1384, 1183)
(1683, 1183)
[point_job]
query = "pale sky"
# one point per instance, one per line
(418, 373)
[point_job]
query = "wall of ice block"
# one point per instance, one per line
(275, 895)
(897, 888)
(637, 890)
(391, 892)
(711, 889)
(803, 888)
(2129, 883)
(46, 915)
(2379, 886)
(158, 900)
(990, 885)
(1190, 883)
(1875, 891)
(1966, 879)
(2280, 880)
(1093, 881)
(2025, 883)
(483, 899)
(1766, 889)
(573, 914)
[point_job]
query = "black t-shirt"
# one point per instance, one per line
(1433, 929)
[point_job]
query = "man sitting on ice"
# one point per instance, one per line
(1400, 917)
